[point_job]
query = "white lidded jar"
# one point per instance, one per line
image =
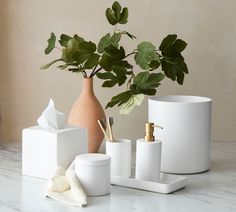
(94, 173)
(120, 152)
(148, 156)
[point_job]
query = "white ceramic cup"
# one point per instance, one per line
(120, 153)
(186, 134)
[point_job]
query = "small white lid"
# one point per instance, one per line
(92, 159)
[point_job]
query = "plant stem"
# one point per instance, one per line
(115, 29)
(85, 74)
(130, 54)
(95, 72)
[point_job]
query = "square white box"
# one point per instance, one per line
(44, 150)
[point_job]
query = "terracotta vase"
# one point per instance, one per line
(85, 113)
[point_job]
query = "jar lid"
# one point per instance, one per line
(93, 159)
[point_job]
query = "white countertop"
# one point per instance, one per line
(213, 191)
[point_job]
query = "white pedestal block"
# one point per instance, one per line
(120, 153)
(186, 134)
(44, 150)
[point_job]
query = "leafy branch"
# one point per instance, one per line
(108, 60)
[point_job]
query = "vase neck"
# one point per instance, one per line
(87, 87)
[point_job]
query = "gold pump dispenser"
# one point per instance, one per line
(149, 126)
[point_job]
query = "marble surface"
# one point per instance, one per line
(213, 191)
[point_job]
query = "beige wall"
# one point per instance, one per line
(208, 26)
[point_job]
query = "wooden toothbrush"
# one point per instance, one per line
(110, 122)
(102, 125)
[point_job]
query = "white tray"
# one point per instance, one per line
(168, 183)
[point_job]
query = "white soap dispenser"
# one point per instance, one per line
(148, 156)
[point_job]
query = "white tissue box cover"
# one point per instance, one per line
(44, 150)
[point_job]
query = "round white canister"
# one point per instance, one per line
(94, 173)
(186, 134)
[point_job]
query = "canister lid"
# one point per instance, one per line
(92, 159)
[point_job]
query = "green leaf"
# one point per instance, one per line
(122, 97)
(152, 81)
(78, 38)
(154, 64)
(105, 75)
(119, 71)
(62, 67)
(149, 92)
(112, 103)
(106, 62)
(107, 40)
(143, 59)
(68, 52)
(141, 77)
(104, 42)
(116, 8)
(92, 61)
(111, 16)
(155, 77)
(80, 56)
(180, 78)
(109, 83)
(121, 80)
(89, 47)
(49, 64)
(167, 41)
(179, 45)
(115, 53)
(129, 105)
(76, 70)
(146, 47)
(64, 39)
(146, 53)
(51, 44)
(115, 39)
(124, 16)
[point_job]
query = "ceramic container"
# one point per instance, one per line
(148, 160)
(85, 112)
(120, 153)
(186, 134)
(94, 173)
(44, 150)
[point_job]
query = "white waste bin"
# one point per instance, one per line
(186, 134)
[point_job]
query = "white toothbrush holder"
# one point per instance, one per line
(148, 160)
(120, 153)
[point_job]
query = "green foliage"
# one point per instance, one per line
(172, 62)
(145, 55)
(108, 60)
(51, 44)
(107, 40)
(116, 15)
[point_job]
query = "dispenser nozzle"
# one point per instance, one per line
(149, 131)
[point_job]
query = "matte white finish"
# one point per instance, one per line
(168, 183)
(120, 153)
(94, 173)
(44, 150)
(148, 160)
(187, 132)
